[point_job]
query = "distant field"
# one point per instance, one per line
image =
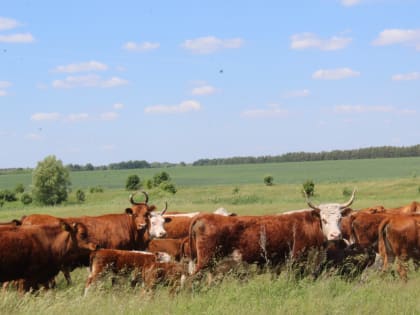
(283, 173)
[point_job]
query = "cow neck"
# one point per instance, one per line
(143, 238)
(60, 242)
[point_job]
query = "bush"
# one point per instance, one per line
(309, 187)
(26, 199)
(160, 178)
(96, 189)
(19, 188)
(268, 180)
(50, 181)
(7, 195)
(168, 186)
(80, 195)
(133, 182)
(347, 192)
(149, 184)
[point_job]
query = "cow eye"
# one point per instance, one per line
(324, 221)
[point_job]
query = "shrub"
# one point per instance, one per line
(160, 178)
(96, 189)
(80, 195)
(19, 188)
(7, 195)
(309, 187)
(168, 186)
(268, 180)
(26, 199)
(133, 182)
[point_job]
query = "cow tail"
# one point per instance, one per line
(191, 239)
(384, 247)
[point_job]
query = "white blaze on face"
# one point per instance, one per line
(331, 220)
(156, 229)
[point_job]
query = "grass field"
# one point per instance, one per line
(390, 182)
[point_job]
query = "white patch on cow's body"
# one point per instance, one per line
(191, 267)
(222, 211)
(142, 252)
(163, 257)
(294, 211)
(182, 215)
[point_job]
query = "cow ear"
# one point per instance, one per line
(65, 226)
(346, 211)
(129, 211)
(167, 220)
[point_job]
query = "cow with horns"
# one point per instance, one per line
(264, 239)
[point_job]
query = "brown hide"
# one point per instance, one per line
(177, 226)
(172, 246)
(399, 236)
(254, 239)
(36, 253)
(143, 264)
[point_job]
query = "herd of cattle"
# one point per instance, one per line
(157, 246)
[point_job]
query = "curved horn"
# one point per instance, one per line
(310, 204)
(345, 205)
(164, 209)
(138, 203)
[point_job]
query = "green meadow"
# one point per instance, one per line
(240, 189)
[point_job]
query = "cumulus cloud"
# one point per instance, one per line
(350, 3)
(78, 117)
(310, 40)
(273, 110)
(410, 37)
(88, 81)
(8, 24)
(118, 106)
(82, 67)
(140, 47)
(46, 116)
(204, 89)
(109, 116)
(186, 106)
(362, 109)
(297, 93)
(406, 76)
(335, 74)
(211, 44)
(17, 38)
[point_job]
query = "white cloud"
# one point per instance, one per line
(78, 117)
(410, 37)
(3, 93)
(349, 3)
(17, 38)
(46, 116)
(274, 110)
(33, 136)
(211, 44)
(335, 74)
(109, 116)
(82, 67)
(363, 109)
(5, 84)
(297, 93)
(88, 81)
(141, 47)
(204, 90)
(118, 106)
(406, 76)
(310, 40)
(8, 24)
(186, 106)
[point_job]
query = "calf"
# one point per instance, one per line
(399, 236)
(172, 246)
(144, 265)
(36, 253)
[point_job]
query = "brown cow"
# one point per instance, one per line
(130, 230)
(399, 236)
(263, 239)
(172, 246)
(145, 266)
(36, 253)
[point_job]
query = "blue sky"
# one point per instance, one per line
(108, 81)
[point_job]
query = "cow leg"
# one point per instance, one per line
(93, 276)
(66, 274)
(403, 266)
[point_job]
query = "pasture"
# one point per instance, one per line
(240, 189)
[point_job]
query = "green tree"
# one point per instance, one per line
(80, 195)
(309, 187)
(26, 199)
(50, 181)
(268, 180)
(19, 188)
(160, 178)
(132, 182)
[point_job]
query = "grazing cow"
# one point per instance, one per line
(36, 253)
(145, 266)
(399, 236)
(178, 224)
(130, 230)
(264, 239)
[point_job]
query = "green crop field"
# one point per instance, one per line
(240, 189)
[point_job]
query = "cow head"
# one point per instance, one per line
(330, 215)
(79, 236)
(146, 218)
